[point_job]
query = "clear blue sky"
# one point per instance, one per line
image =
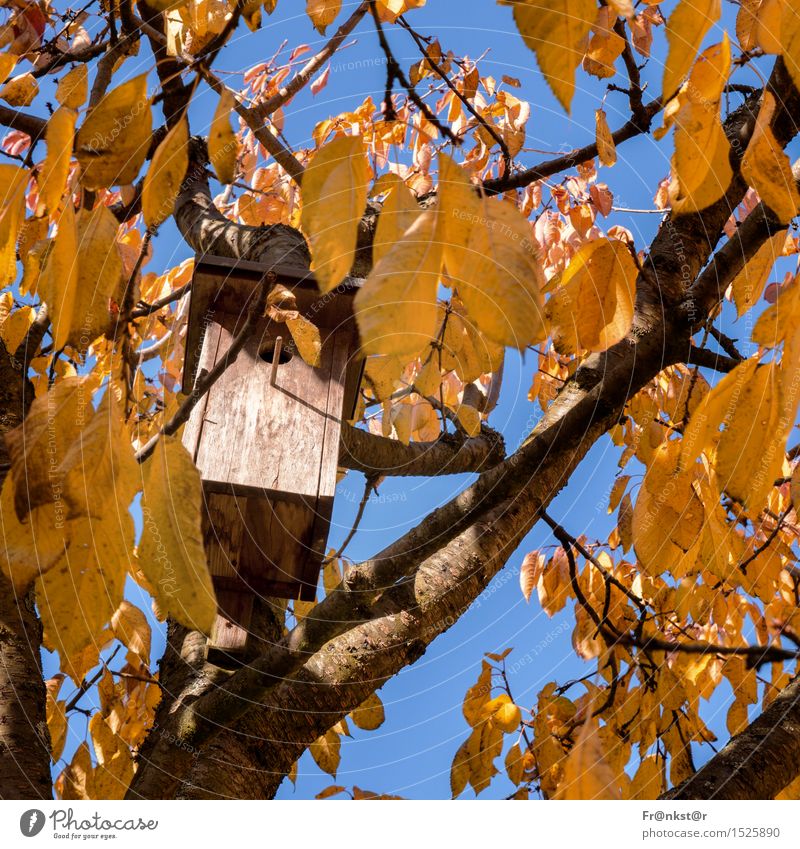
(410, 754)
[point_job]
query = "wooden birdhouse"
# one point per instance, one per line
(266, 437)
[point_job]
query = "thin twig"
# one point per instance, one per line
(470, 108)
(305, 74)
(369, 487)
(395, 72)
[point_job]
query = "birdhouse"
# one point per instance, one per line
(265, 437)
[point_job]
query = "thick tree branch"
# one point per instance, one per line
(365, 452)
(756, 764)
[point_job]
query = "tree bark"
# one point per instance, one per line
(756, 764)
(24, 739)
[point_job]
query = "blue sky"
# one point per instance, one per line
(410, 754)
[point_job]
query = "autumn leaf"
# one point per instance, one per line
(171, 553)
(223, 145)
(334, 195)
(396, 307)
(592, 308)
(78, 596)
(20, 90)
(13, 182)
(73, 87)
(555, 32)
(767, 168)
(700, 164)
(687, 26)
(163, 179)
(369, 714)
(129, 626)
(606, 149)
(39, 445)
(113, 141)
(326, 752)
(491, 260)
(398, 212)
(749, 283)
(323, 13)
(53, 174)
(587, 774)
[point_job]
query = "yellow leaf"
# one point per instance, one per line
(749, 454)
(478, 696)
(163, 179)
(556, 33)
(460, 770)
(31, 547)
(322, 13)
(78, 596)
(171, 552)
(307, 339)
(130, 627)
(587, 774)
(326, 752)
(767, 168)
(8, 62)
(223, 144)
(668, 516)
(758, 25)
(737, 719)
(507, 717)
(57, 726)
(515, 764)
(470, 419)
(77, 780)
(592, 308)
(490, 257)
(73, 87)
(13, 182)
(332, 790)
(687, 26)
(114, 769)
(647, 781)
(749, 283)
(39, 445)
(20, 90)
(382, 375)
(369, 714)
(429, 379)
(606, 149)
(53, 174)
(59, 282)
(702, 432)
(396, 307)
(399, 211)
(334, 196)
(114, 139)
(778, 323)
(700, 164)
(82, 276)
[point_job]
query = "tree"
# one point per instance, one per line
(466, 250)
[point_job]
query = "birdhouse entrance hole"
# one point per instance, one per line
(267, 352)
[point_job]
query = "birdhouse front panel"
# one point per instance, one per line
(266, 438)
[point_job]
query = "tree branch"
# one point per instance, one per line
(757, 763)
(365, 452)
